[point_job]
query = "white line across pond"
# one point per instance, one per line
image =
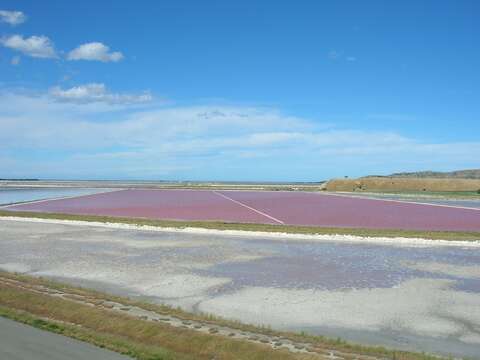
(249, 207)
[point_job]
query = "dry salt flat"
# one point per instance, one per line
(410, 294)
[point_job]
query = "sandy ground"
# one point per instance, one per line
(413, 296)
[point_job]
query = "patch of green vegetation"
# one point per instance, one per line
(290, 229)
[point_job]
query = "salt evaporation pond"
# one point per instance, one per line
(13, 195)
(422, 298)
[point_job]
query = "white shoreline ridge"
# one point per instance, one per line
(395, 241)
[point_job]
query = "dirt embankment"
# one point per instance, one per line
(459, 174)
(402, 184)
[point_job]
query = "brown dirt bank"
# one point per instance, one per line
(402, 184)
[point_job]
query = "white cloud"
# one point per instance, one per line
(90, 93)
(12, 17)
(338, 55)
(94, 51)
(15, 60)
(103, 139)
(34, 46)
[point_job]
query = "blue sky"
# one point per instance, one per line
(237, 90)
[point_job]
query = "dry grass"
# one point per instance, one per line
(125, 334)
(403, 184)
(150, 340)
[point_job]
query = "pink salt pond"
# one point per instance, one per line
(265, 207)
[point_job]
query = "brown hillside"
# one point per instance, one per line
(402, 184)
(459, 174)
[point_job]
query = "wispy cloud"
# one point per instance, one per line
(12, 17)
(225, 142)
(94, 51)
(90, 93)
(15, 60)
(34, 46)
(399, 118)
(334, 55)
